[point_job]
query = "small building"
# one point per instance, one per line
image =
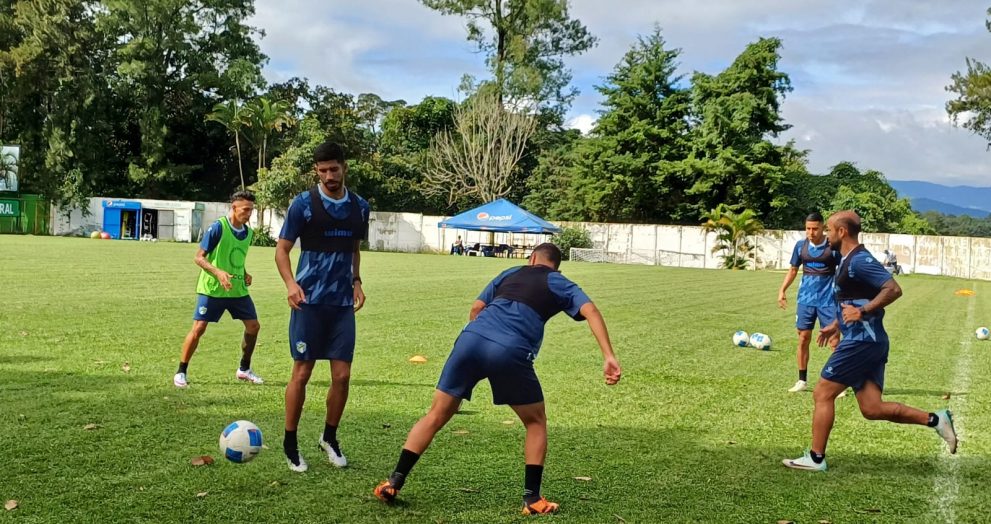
(152, 219)
(132, 219)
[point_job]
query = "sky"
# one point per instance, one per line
(869, 76)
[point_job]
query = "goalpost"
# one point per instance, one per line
(578, 254)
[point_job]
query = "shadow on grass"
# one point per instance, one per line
(666, 471)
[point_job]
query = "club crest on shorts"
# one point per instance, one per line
(301, 347)
(203, 310)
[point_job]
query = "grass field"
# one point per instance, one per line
(693, 433)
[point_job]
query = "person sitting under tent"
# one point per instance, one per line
(458, 247)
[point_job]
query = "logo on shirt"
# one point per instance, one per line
(301, 347)
(339, 233)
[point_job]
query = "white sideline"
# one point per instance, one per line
(946, 483)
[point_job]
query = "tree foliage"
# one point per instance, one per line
(972, 105)
(476, 159)
(525, 42)
(734, 231)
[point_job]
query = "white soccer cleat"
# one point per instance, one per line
(179, 380)
(298, 468)
(805, 463)
(799, 386)
(336, 457)
(249, 376)
(945, 429)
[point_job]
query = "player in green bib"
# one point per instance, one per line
(223, 286)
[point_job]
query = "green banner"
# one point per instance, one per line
(10, 208)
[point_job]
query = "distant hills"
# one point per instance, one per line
(949, 200)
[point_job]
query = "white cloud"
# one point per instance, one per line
(583, 123)
(869, 76)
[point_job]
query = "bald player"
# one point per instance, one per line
(863, 289)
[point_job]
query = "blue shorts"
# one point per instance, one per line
(211, 309)
(510, 371)
(321, 332)
(805, 319)
(856, 361)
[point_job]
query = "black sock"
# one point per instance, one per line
(531, 482)
(291, 447)
(330, 435)
(247, 348)
(182, 367)
(816, 457)
(803, 375)
(407, 459)
(933, 420)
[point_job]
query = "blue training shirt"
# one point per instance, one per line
(515, 325)
(814, 290)
(865, 268)
(326, 278)
(213, 233)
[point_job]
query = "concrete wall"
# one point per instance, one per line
(664, 245)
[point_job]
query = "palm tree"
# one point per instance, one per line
(732, 234)
(263, 117)
(231, 115)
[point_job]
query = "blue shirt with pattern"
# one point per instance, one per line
(814, 290)
(515, 325)
(865, 268)
(326, 278)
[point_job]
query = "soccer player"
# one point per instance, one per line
(500, 342)
(815, 293)
(863, 289)
(330, 221)
(223, 286)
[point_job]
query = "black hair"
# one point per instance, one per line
(328, 151)
(550, 252)
(243, 195)
(814, 216)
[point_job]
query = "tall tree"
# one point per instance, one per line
(231, 115)
(628, 169)
(172, 54)
(477, 158)
(732, 159)
(57, 103)
(973, 92)
(525, 42)
(263, 118)
(407, 132)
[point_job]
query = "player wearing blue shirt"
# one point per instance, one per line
(500, 342)
(863, 289)
(815, 293)
(223, 286)
(330, 222)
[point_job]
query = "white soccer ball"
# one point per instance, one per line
(241, 441)
(741, 339)
(983, 333)
(760, 341)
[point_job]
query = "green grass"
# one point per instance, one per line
(693, 433)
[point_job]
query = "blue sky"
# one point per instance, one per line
(869, 75)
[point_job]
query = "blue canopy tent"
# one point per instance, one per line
(500, 216)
